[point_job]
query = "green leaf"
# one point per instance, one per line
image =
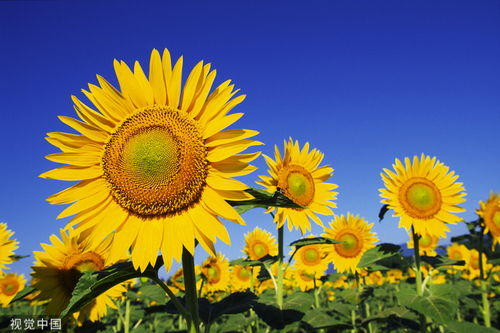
(264, 199)
(437, 261)
(92, 284)
(276, 318)
(298, 301)
(384, 209)
(494, 262)
(386, 314)
(378, 253)
(153, 292)
(438, 308)
(237, 302)
(18, 257)
(313, 241)
(266, 260)
(467, 327)
(22, 294)
(323, 320)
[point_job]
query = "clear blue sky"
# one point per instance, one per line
(363, 81)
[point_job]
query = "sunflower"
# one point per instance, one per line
(375, 278)
(259, 243)
(427, 244)
(10, 285)
(356, 238)
(394, 275)
(178, 279)
(305, 280)
(457, 252)
(57, 270)
(472, 265)
(7, 246)
(242, 276)
(154, 162)
(311, 258)
(298, 176)
(490, 213)
(423, 194)
(215, 270)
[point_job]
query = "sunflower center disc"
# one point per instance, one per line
(11, 288)
(420, 198)
(311, 256)
(244, 274)
(213, 274)
(260, 250)
(496, 218)
(457, 256)
(84, 262)
(350, 247)
(425, 241)
(474, 263)
(297, 184)
(155, 162)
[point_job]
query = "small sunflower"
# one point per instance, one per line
(178, 279)
(457, 252)
(356, 238)
(490, 213)
(10, 285)
(242, 277)
(57, 270)
(216, 272)
(154, 162)
(472, 265)
(7, 246)
(423, 194)
(375, 278)
(427, 244)
(394, 275)
(311, 258)
(259, 243)
(305, 280)
(300, 178)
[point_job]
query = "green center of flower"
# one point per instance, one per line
(212, 273)
(420, 198)
(425, 241)
(350, 245)
(155, 162)
(496, 218)
(151, 156)
(244, 274)
(260, 250)
(9, 288)
(311, 255)
(457, 256)
(297, 184)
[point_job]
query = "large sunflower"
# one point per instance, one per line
(356, 238)
(423, 194)
(7, 246)
(57, 270)
(427, 244)
(10, 285)
(154, 162)
(490, 213)
(259, 243)
(300, 178)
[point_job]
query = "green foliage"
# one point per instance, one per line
(312, 241)
(376, 254)
(263, 199)
(440, 305)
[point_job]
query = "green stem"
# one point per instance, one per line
(126, 323)
(201, 287)
(368, 314)
(279, 291)
(316, 294)
(484, 287)
(182, 310)
(191, 294)
(418, 276)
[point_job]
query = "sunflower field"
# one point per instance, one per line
(154, 162)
